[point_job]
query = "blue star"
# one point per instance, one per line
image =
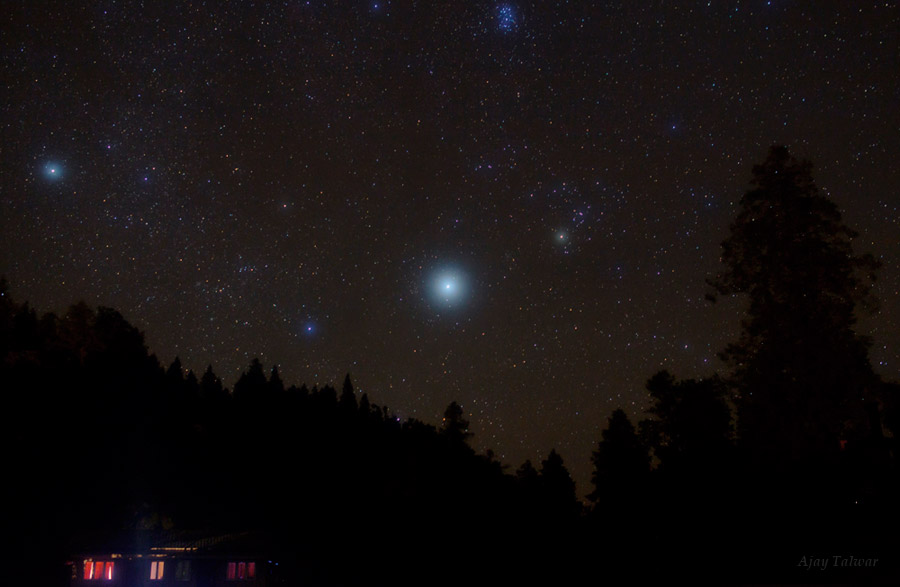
(52, 170)
(676, 127)
(449, 287)
(307, 329)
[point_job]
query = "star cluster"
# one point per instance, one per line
(512, 205)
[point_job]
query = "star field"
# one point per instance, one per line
(512, 205)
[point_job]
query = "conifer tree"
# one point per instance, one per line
(454, 425)
(621, 462)
(801, 371)
(347, 400)
(557, 486)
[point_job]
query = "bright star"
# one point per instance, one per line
(52, 170)
(449, 287)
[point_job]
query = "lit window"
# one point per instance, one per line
(240, 571)
(157, 568)
(96, 570)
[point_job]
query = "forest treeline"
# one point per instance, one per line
(101, 440)
(734, 476)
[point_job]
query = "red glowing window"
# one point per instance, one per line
(240, 571)
(95, 570)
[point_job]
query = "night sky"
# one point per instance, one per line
(514, 205)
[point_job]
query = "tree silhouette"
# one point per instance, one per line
(252, 384)
(801, 372)
(276, 385)
(364, 406)
(621, 462)
(526, 473)
(211, 387)
(690, 429)
(347, 400)
(175, 380)
(175, 372)
(76, 335)
(192, 389)
(454, 425)
(557, 487)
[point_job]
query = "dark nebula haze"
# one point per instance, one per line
(513, 205)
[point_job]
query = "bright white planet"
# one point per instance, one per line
(449, 287)
(52, 170)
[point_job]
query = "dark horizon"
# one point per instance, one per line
(114, 454)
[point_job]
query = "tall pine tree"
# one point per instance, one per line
(621, 462)
(801, 371)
